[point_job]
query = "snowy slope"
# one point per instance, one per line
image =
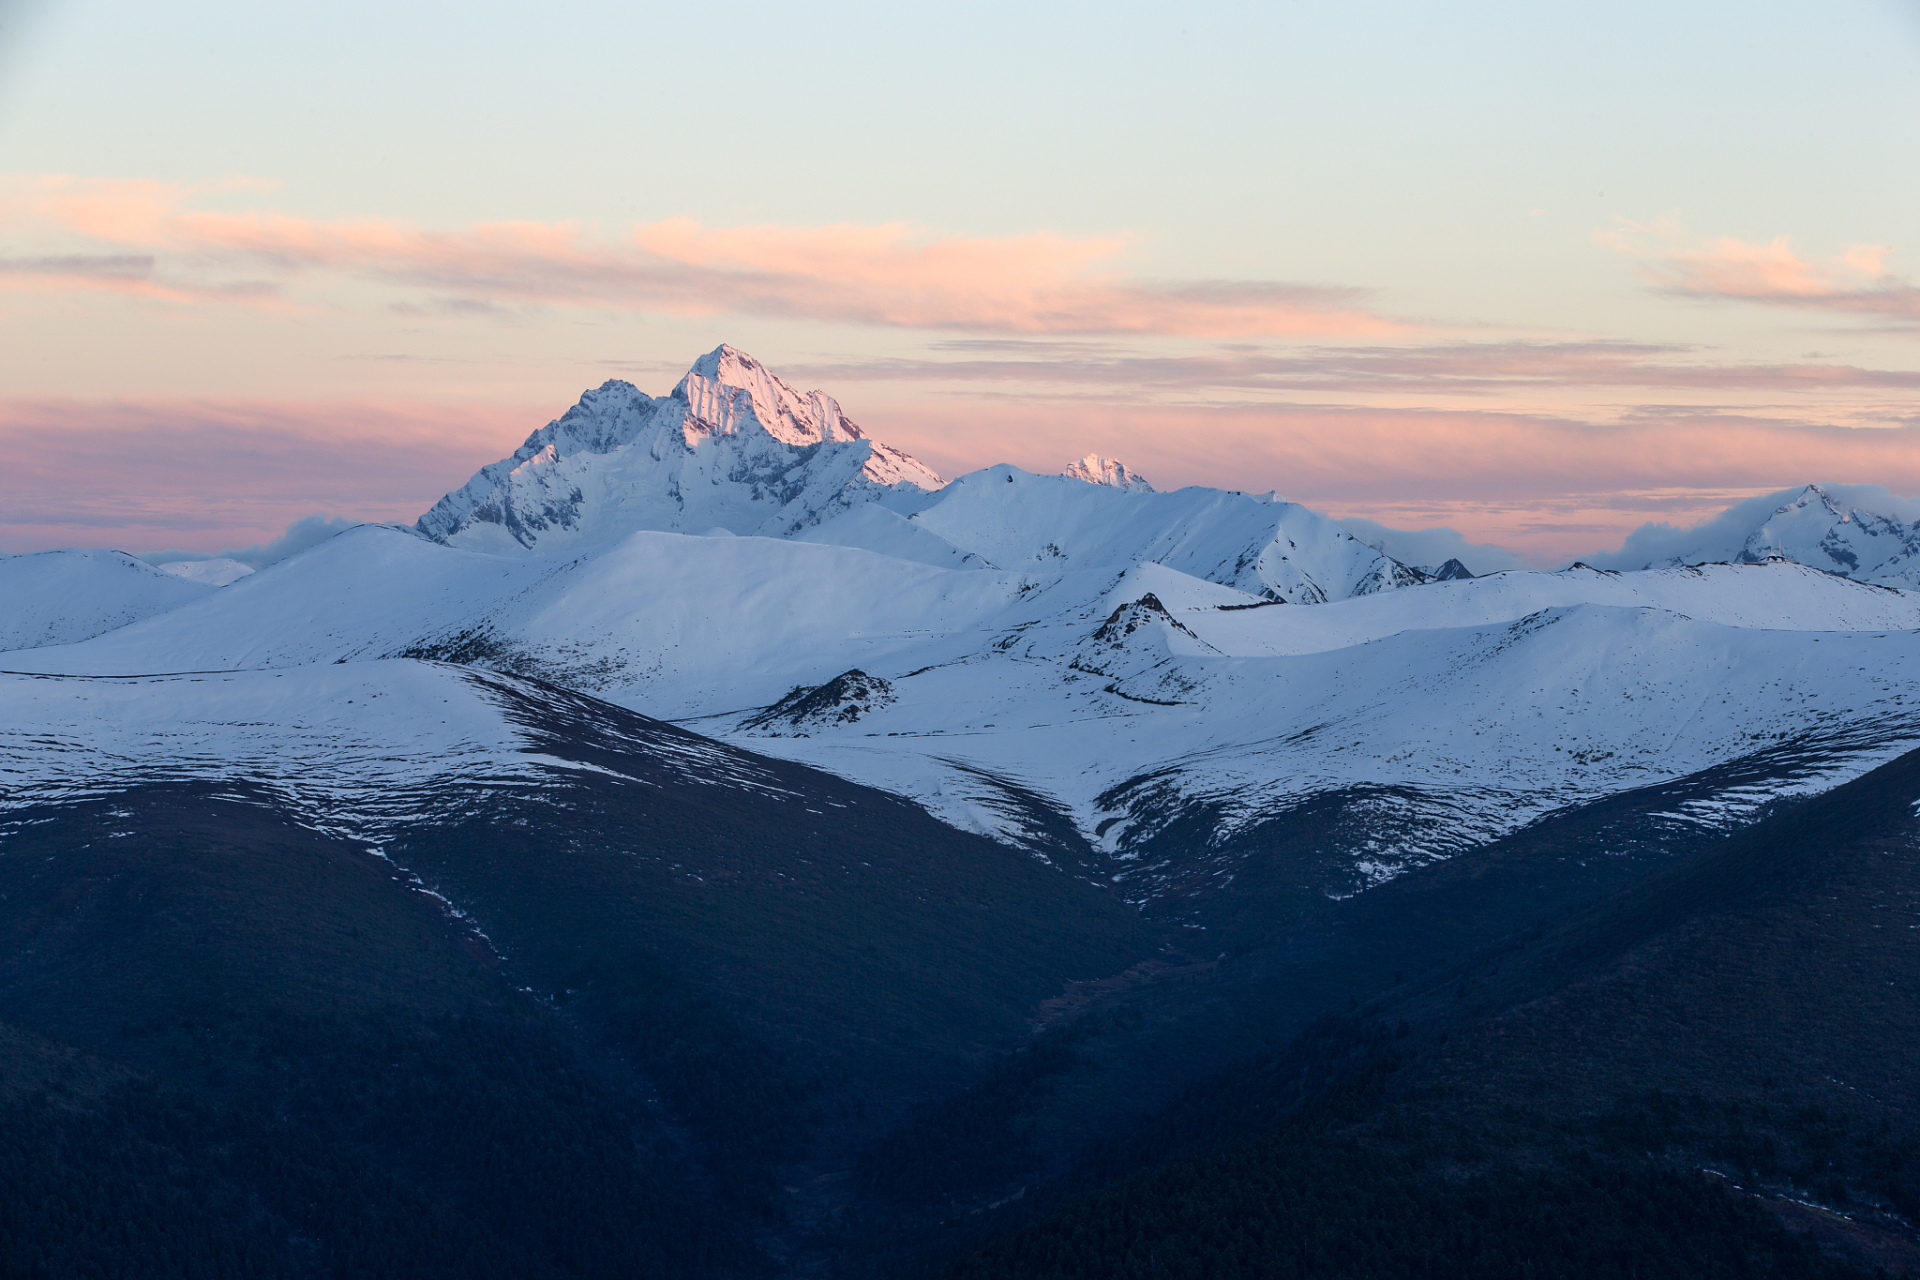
(732, 446)
(874, 528)
(58, 597)
(1111, 701)
(356, 748)
(1128, 719)
(669, 624)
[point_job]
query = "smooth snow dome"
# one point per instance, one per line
(1097, 469)
(59, 597)
(216, 572)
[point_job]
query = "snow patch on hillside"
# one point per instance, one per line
(216, 572)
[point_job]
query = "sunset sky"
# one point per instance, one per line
(1541, 273)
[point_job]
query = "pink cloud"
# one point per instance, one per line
(1478, 370)
(200, 475)
(209, 474)
(1545, 485)
(894, 275)
(1856, 281)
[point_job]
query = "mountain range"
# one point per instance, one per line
(879, 848)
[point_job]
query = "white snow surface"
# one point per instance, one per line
(357, 748)
(1011, 650)
(216, 572)
(1114, 692)
(58, 597)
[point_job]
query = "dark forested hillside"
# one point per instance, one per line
(235, 1045)
(1712, 1072)
(747, 1019)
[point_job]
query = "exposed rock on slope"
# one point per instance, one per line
(840, 701)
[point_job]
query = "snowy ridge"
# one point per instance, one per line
(358, 749)
(1256, 544)
(735, 449)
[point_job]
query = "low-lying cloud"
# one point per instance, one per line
(309, 531)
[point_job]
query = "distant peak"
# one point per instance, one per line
(1096, 469)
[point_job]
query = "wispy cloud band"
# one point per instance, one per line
(1856, 281)
(207, 474)
(1463, 370)
(894, 275)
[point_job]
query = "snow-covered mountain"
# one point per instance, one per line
(735, 449)
(731, 446)
(1077, 664)
(1858, 531)
(1110, 707)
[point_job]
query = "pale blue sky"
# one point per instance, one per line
(1358, 140)
(1461, 163)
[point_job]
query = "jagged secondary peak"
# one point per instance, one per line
(1098, 469)
(1826, 527)
(727, 389)
(1857, 531)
